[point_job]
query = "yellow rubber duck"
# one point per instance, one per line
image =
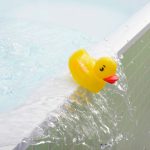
(90, 73)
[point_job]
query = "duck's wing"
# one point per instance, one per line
(84, 67)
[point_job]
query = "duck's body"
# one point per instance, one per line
(81, 66)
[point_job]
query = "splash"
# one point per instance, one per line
(87, 120)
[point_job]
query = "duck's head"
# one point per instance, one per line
(105, 68)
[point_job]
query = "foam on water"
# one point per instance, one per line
(30, 54)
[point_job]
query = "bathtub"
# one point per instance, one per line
(29, 106)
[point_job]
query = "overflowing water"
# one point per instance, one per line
(87, 120)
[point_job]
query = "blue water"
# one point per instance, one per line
(30, 54)
(37, 38)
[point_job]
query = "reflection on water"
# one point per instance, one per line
(87, 121)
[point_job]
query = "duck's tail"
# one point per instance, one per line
(77, 54)
(75, 67)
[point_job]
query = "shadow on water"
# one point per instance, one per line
(87, 120)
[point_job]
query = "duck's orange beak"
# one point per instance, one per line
(111, 79)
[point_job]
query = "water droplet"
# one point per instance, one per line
(74, 140)
(121, 56)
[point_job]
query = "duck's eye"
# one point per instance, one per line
(101, 69)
